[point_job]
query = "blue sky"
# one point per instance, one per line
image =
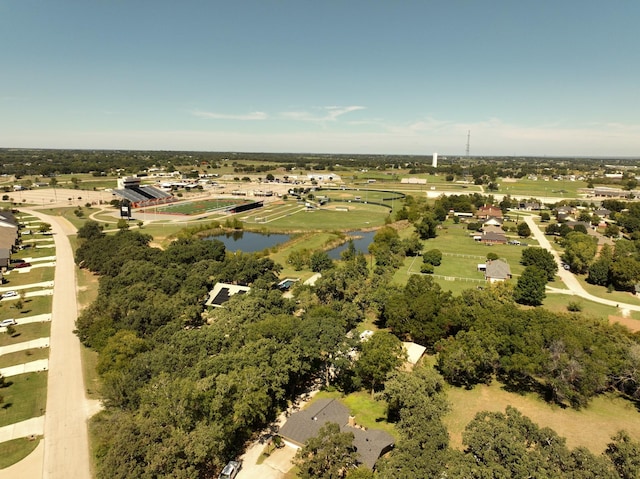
(389, 77)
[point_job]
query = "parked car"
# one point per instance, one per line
(230, 470)
(24, 264)
(10, 294)
(7, 322)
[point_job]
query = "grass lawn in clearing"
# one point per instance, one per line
(461, 256)
(26, 332)
(24, 397)
(368, 412)
(558, 303)
(591, 427)
(601, 292)
(17, 449)
(310, 241)
(25, 356)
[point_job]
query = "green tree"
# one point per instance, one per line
(624, 453)
(90, 230)
(530, 287)
(329, 455)
(381, 354)
(523, 230)
(433, 256)
(320, 261)
(625, 272)
(541, 258)
(579, 251)
(427, 228)
(299, 259)
(469, 359)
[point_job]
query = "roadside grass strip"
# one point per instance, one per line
(25, 397)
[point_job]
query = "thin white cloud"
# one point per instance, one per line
(253, 116)
(327, 113)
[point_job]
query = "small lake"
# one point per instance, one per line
(249, 242)
(361, 241)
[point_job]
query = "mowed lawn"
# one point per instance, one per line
(196, 207)
(24, 397)
(461, 256)
(329, 218)
(591, 427)
(539, 188)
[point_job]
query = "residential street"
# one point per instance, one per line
(568, 277)
(66, 446)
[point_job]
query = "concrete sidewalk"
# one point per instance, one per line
(34, 344)
(30, 367)
(43, 284)
(33, 426)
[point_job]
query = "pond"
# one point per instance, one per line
(361, 241)
(249, 242)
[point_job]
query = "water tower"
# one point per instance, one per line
(434, 161)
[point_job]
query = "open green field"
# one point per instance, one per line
(24, 397)
(17, 449)
(194, 207)
(461, 255)
(557, 189)
(294, 217)
(591, 427)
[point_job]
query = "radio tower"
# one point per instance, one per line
(467, 162)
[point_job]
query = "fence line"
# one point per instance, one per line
(452, 278)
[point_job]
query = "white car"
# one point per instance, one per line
(230, 470)
(7, 322)
(10, 294)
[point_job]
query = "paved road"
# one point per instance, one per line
(66, 444)
(568, 277)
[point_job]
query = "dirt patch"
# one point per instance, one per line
(632, 324)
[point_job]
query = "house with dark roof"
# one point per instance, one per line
(497, 271)
(303, 425)
(493, 238)
(222, 292)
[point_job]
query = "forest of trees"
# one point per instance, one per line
(185, 388)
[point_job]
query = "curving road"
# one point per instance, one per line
(568, 277)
